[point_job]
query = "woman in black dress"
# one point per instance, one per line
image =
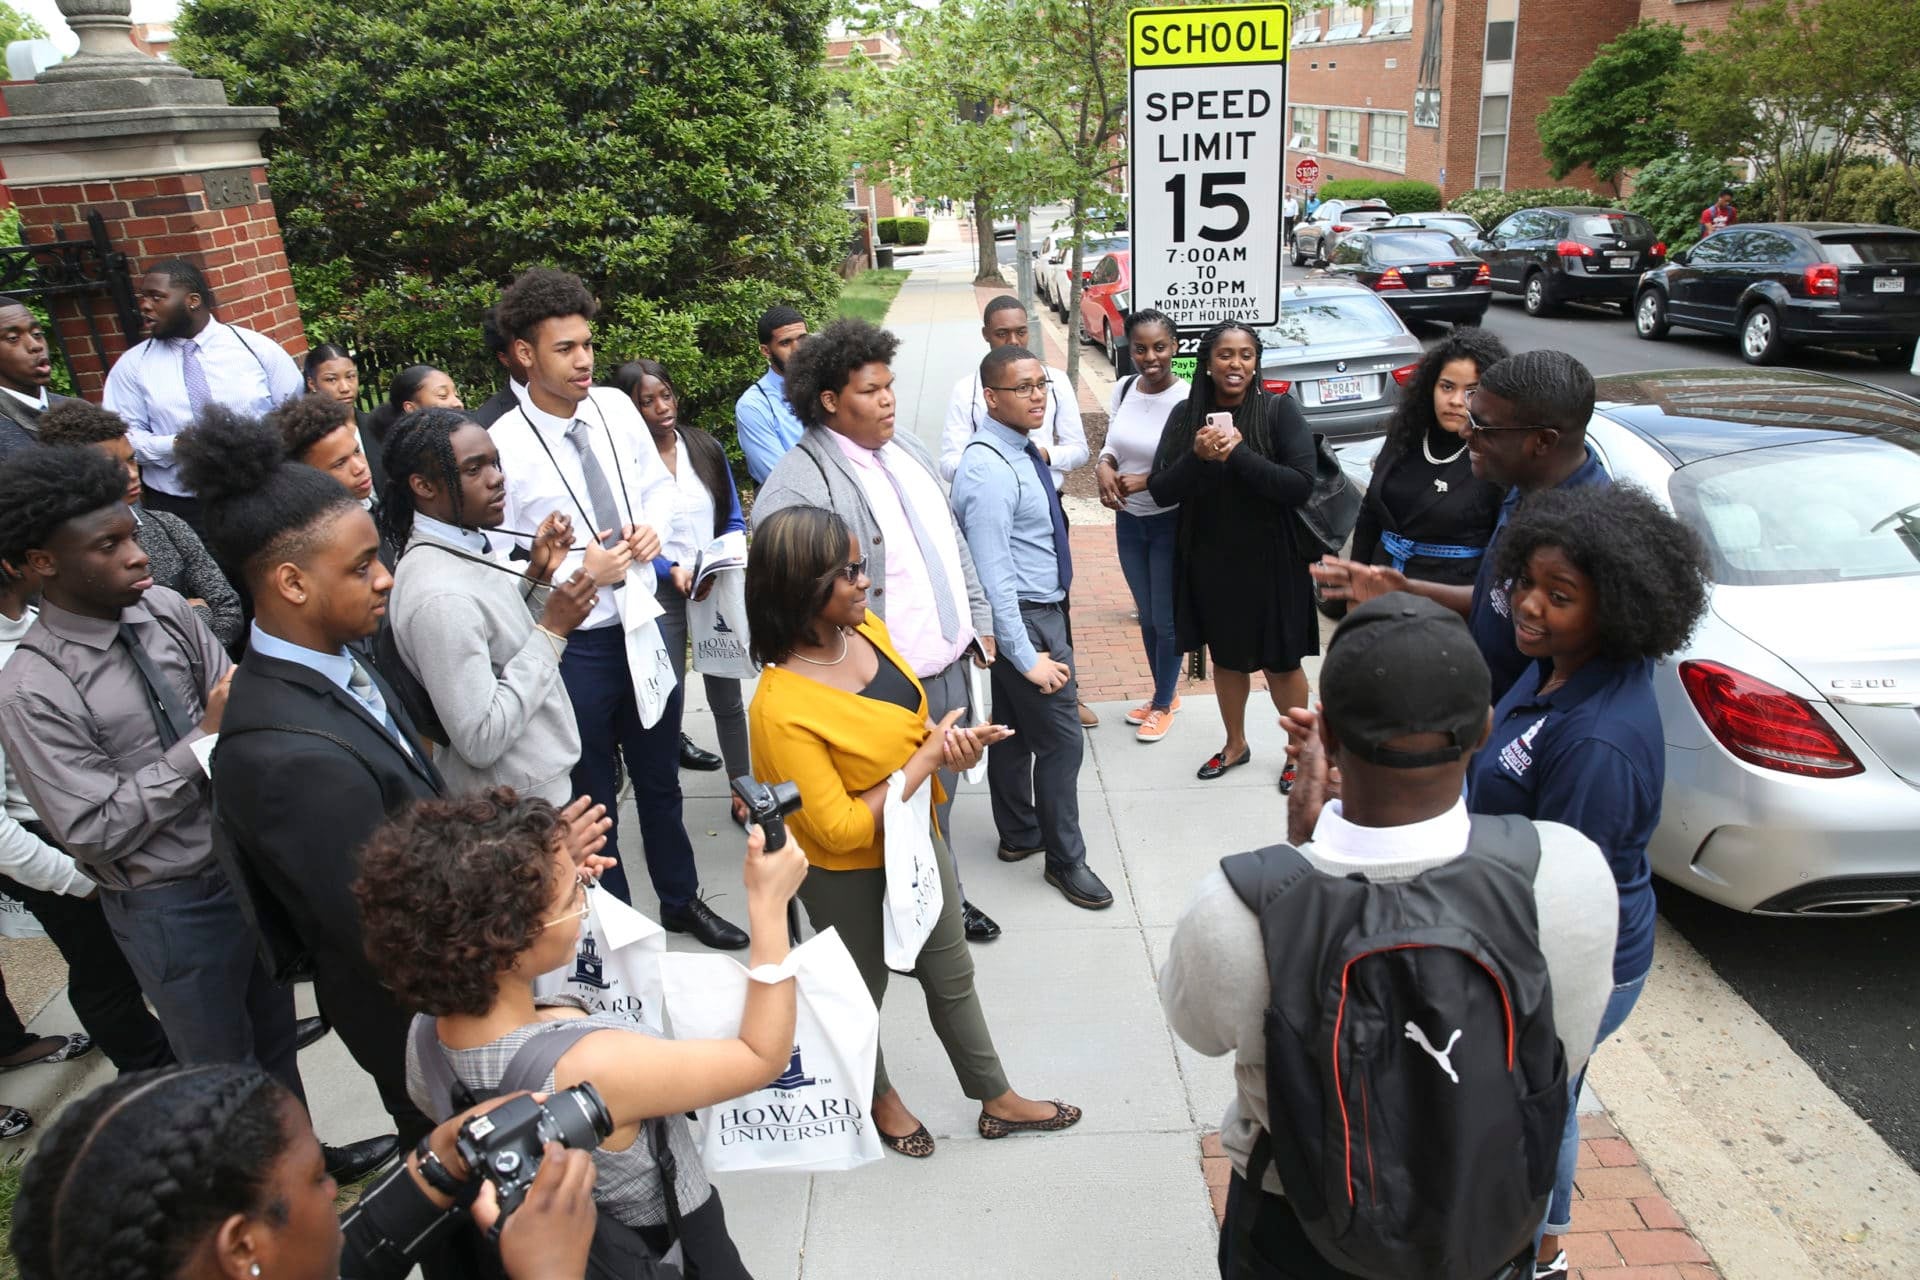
(1242, 586)
(1426, 513)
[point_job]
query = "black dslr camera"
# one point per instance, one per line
(768, 806)
(505, 1144)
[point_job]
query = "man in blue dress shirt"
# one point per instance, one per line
(1004, 497)
(762, 418)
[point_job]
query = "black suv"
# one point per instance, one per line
(1571, 254)
(1782, 284)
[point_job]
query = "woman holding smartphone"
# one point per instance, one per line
(1238, 461)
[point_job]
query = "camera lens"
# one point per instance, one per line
(581, 1117)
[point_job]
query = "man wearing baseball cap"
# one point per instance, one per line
(1404, 701)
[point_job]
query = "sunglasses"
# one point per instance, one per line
(1479, 428)
(852, 571)
(579, 911)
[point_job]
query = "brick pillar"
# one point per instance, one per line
(172, 170)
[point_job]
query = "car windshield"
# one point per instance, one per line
(1330, 317)
(1812, 512)
(1416, 247)
(1873, 250)
(1625, 225)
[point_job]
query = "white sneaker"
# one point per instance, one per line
(1550, 1270)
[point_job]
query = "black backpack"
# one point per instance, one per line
(1416, 1088)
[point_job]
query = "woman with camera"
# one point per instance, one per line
(839, 712)
(214, 1171)
(465, 902)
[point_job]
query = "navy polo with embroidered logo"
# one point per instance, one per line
(1491, 618)
(1590, 756)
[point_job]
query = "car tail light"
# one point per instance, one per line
(1389, 281)
(1572, 249)
(1341, 226)
(1277, 386)
(1823, 280)
(1766, 726)
(1404, 374)
(1659, 248)
(1483, 275)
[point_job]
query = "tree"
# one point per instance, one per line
(1614, 115)
(1670, 193)
(677, 155)
(15, 25)
(1874, 40)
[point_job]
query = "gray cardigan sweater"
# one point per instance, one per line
(466, 629)
(814, 473)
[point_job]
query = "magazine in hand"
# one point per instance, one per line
(728, 551)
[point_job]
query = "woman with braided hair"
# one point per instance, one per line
(214, 1171)
(1238, 461)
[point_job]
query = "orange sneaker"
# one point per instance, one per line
(1139, 715)
(1155, 726)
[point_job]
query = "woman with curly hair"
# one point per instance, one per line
(1425, 512)
(1242, 573)
(466, 902)
(1605, 582)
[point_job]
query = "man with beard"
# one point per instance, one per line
(25, 370)
(763, 419)
(188, 361)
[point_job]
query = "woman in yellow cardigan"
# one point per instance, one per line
(839, 712)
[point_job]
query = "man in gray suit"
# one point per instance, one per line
(25, 369)
(886, 488)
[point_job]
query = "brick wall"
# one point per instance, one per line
(1694, 15)
(150, 219)
(1555, 42)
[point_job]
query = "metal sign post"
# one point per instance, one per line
(1206, 154)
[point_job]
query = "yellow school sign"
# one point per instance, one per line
(1217, 35)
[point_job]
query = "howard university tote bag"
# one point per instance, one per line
(616, 963)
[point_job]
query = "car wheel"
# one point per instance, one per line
(1650, 315)
(1080, 330)
(1760, 335)
(1119, 356)
(1537, 294)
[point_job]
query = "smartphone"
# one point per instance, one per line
(1221, 420)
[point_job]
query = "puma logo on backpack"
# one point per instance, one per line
(1397, 1170)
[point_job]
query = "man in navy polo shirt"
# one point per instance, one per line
(1526, 428)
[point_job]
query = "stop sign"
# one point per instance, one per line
(1307, 172)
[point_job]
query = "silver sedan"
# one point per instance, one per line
(1341, 353)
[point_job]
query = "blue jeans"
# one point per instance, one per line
(1560, 1205)
(1146, 558)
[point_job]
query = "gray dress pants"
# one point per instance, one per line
(1035, 775)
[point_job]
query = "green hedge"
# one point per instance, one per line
(913, 230)
(888, 229)
(1866, 191)
(1670, 193)
(1401, 197)
(1488, 206)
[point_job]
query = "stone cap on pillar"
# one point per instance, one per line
(109, 72)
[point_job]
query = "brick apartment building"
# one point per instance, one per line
(1446, 91)
(884, 53)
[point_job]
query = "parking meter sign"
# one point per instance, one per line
(1207, 155)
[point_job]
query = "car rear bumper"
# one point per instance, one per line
(1438, 304)
(1350, 422)
(1827, 322)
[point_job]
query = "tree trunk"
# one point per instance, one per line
(983, 239)
(1073, 292)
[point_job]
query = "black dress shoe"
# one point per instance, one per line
(980, 925)
(1217, 764)
(1078, 885)
(358, 1159)
(308, 1030)
(698, 919)
(694, 756)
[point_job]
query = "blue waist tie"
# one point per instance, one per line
(1404, 549)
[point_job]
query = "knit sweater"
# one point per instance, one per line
(179, 560)
(465, 626)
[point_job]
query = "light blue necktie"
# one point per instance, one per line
(367, 693)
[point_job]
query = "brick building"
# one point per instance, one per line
(884, 53)
(1446, 91)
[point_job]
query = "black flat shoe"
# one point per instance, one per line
(1078, 885)
(310, 1030)
(980, 926)
(694, 756)
(1217, 764)
(358, 1159)
(1287, 777)
(1010, 854)
(698, 919)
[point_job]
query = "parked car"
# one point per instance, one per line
(1459, 224)
(1055, 282)
(1103, 303)
(1341, 353)
(1778, 285)
(1422, 273)
(1314, 238)
(1792, 717)
(1555, 255)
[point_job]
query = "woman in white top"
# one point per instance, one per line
(707, 504)
(1143, 529)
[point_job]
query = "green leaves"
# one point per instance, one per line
(1614, 115)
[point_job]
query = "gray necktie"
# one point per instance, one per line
(199, 394)
(362, 687)
(929, 551)
(599, 493)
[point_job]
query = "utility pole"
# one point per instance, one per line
(1023, 254)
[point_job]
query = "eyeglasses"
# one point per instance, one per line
(580, 908)
(1027, 389)
(852, 571)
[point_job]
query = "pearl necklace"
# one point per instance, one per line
(831, 662)
(1426, 447)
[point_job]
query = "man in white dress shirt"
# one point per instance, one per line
(584, 451)
(188, 361)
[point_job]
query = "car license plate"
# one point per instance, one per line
(1620, 264)
(1336, 390)
(1439, 282)
(1889, 284)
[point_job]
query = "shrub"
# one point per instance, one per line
(914, 230)
(888, 229)
(62, 383)
(1399, 196)
(1865, 190)
(1671, 192)
(1487, 206)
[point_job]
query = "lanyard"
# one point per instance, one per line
(612, 451)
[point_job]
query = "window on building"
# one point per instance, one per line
(1307, 31)
(1491, 169)
(1306, 129)
(1346, 21)
(1392, 18)
(1500, 42)
(1343, 133)
(1387, 139)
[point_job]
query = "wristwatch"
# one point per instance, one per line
(438, 1176)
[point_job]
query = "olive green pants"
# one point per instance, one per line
(852, 902)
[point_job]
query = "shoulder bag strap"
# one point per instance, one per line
(1508, 839)
(1262, 875)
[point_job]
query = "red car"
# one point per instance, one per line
(1103, 308)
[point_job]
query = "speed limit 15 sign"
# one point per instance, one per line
(1207, 148)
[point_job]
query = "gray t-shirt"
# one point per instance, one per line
(1214, 986)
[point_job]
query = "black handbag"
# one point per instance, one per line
(1325, 520)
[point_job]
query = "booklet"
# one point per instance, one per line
(728, 551)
